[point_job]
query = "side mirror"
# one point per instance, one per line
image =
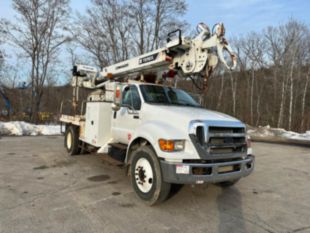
(115, 107)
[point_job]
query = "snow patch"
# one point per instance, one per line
(21, 128)
(267, 131)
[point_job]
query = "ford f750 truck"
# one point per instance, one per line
(163, 135)
(167, 136)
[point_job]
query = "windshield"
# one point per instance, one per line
(167, 95)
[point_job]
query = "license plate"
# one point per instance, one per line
(182, 169)
(225, 169)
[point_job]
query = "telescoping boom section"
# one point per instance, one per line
(184, 56)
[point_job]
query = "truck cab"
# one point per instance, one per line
(166, 137)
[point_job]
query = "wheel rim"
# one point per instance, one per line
(144, 175)
(69, 140)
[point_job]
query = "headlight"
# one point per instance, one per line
(171, 145)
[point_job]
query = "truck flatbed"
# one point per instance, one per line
(74, 120)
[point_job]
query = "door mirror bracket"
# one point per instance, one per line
(115, 107)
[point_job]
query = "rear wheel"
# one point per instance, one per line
(72, 140)
(146, 176)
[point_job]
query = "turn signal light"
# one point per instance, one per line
(171, 145)
(166, 145)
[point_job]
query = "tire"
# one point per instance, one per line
(72, 140)
(146, 176)
(227, 184)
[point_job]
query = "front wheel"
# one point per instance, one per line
(146, 176)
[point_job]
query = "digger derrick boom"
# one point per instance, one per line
(185, 56)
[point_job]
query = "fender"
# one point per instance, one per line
(152, 131)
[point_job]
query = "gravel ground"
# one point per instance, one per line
(42, 189)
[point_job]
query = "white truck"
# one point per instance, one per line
(163, 135)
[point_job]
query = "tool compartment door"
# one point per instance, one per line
(98, 123)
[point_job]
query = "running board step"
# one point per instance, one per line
(117, 151)
(118, 146)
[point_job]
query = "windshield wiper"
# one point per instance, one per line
(163, 103)
(186, 105)
(175, 104)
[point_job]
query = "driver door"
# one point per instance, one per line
(127, 118)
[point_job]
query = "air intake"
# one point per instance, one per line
(200, 134)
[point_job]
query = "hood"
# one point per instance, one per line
(183, 115)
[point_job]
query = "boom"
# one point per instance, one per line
(186, 57)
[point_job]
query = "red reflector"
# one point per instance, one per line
(171, 74)
(168, 58)
(118, 93)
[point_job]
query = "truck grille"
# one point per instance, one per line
(218, 141)
(223, 140)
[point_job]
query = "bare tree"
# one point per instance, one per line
(234, 85)
(104, 31)
(39, 33)
(153, 19)
(220, 96)
(1, 54)
(1, 62)
(303, 101)
(293, 34)
(253, 48)
(92, 40)
(165, 16)
(286, 47)
(140, 11)
(114, 30)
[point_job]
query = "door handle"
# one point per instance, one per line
(135, 117)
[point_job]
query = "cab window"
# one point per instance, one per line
(131, 98)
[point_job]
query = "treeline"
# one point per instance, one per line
(270, 86)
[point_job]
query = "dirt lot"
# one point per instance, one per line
(44, 190)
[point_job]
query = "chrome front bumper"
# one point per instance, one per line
(184, 173)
